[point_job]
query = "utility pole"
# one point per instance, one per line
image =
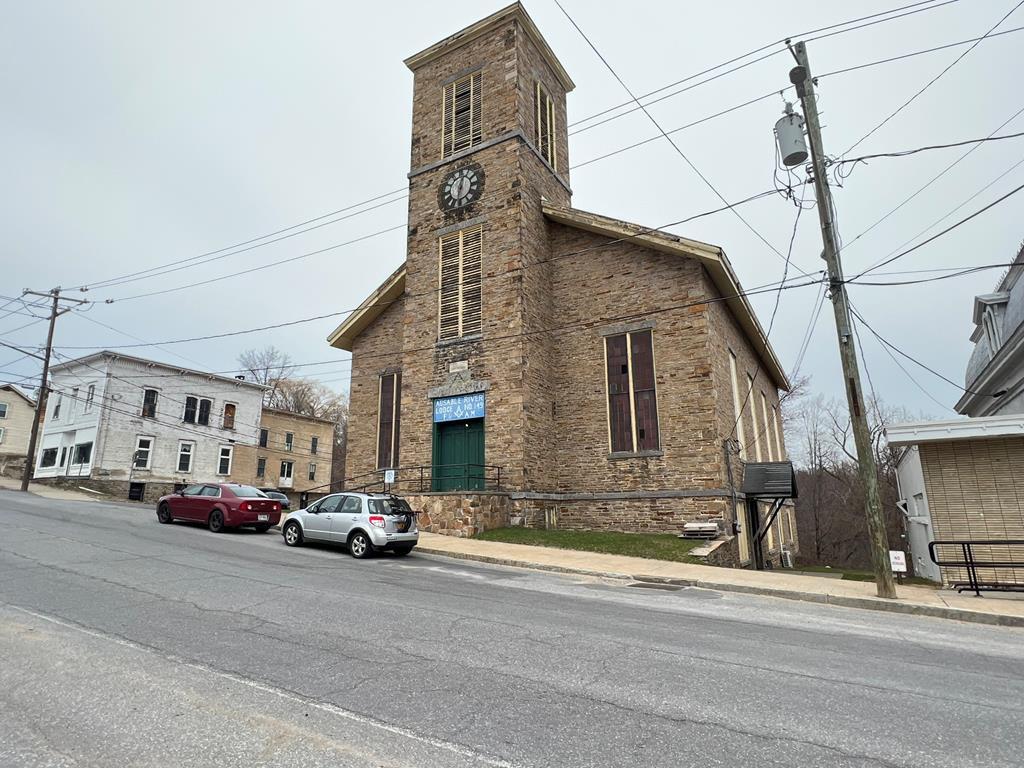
(55, 312)
(801, 77)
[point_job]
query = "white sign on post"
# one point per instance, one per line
(389, 476)
(898, 561)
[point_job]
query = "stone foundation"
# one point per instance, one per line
(461, 514)
(113, 490)
(634, 514)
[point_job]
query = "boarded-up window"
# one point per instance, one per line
(632, 396)
(149, 398)
(544, 113)
(389, 420)
(459, 298)
(460, 115)
(229, 416)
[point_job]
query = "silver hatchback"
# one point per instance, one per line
(364, 522)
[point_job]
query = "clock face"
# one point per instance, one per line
(461, 187)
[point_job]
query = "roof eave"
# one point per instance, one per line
(711, 257)
(372, 307)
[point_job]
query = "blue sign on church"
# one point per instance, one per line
(459, 407)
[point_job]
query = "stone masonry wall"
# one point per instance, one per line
(594, 289)
(646, 515)
(375, 351)
(461, 514)
(726, 335)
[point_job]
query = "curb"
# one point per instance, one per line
(866, 603)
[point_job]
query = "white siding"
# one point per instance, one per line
(120, 385)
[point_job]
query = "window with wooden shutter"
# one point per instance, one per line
(544, 113)
(460, 270)
(632, 395)
(460, 115)
(229, 416)
(389, 408)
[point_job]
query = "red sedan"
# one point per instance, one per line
(220, 506)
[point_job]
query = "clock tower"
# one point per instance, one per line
(489, 142)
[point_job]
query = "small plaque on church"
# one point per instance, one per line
(458, 365)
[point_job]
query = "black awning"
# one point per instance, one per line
(769, 480)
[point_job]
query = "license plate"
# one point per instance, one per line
(261, 518)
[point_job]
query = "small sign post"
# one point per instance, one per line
(389, 478)
(898, 562)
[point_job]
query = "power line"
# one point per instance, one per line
(906, 152)
(931, 82)
(914, 360)
(499, 275)
(899, 365)
(669, 138)
(942, 218)
(959, 272)
(754, 52)
(135, 275)
(938, 235)
(912, 54)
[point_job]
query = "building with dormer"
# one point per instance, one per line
(534, 363)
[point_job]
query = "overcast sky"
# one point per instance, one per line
(136, 134)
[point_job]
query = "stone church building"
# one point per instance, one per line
(532, 363)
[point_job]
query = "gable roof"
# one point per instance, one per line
(106, 354)
(20, 392)
(711, 257)
(372, 307)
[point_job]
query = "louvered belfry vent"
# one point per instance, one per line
(459, 300)
(544, 114)
(460, 120)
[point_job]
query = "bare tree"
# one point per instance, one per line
(289, 392)
(830, 509)
(269, 366)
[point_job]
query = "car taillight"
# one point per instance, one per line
(245, 506)
(377, 520)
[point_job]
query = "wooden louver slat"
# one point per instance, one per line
(460, 115)
(459, 299)
(544, 113)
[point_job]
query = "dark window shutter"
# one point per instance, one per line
(618, 393)
(204, 412)
(398, 418)
(386, 421)
(646, 404)
(190, 410)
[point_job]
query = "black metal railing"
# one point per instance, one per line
(420, 479)
(988, 555)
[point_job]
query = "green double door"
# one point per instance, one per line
(459, 456)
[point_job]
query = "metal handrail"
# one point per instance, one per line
(972, 563)
(421, 477)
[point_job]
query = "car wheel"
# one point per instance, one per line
(262, 528)
(292, 534)
(403, 550)
(216, 521)
(359, 545)
(163, 513)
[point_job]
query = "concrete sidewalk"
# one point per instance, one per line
(922, 601)
(49, 492)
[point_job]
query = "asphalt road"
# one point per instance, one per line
(127, 643)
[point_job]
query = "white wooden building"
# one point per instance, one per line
(136, 428)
